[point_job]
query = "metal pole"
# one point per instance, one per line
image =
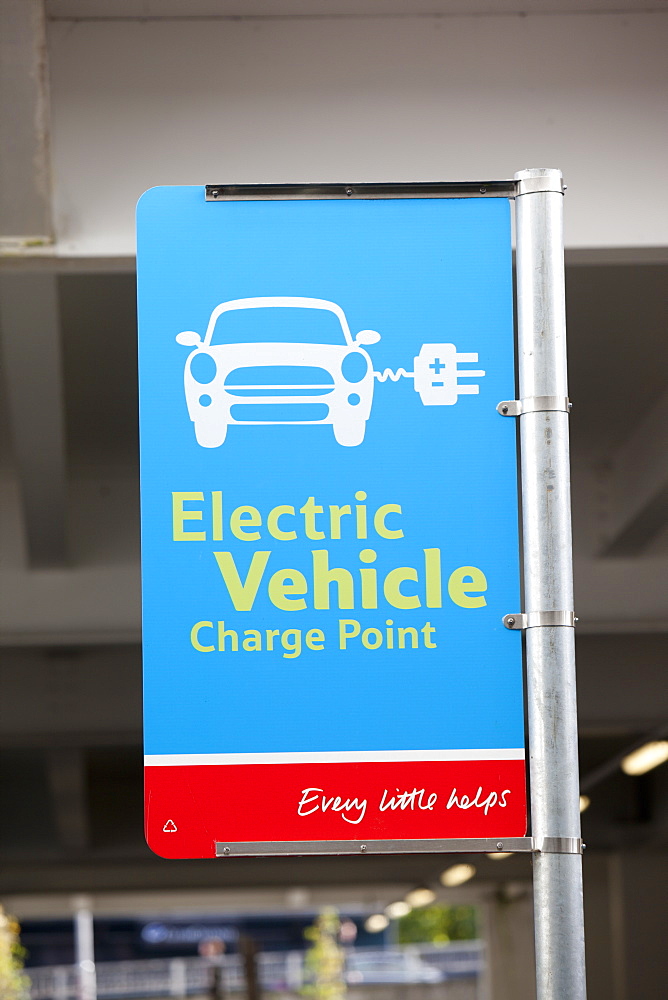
(548, 586)
(248, 951)
(84, 947)
(178, 980)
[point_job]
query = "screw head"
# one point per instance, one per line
(483, 190)
(362, 847)
(510, 622)
(504, 409)
(349, 191)
(499, 846)
(226, 850)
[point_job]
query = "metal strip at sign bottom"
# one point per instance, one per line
(338, 847)
(462, 845)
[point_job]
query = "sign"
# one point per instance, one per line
(329, 521)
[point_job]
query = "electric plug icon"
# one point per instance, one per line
(436, 374)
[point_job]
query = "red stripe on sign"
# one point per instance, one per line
(189, 808)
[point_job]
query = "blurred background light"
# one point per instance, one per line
(420, 897)
(646, 757)
(457, 875)
(375, 923)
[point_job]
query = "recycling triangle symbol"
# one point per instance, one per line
(169, 827)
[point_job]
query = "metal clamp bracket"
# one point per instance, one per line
(536, 619)
(536, 185)
(558, 845)
(534, 404)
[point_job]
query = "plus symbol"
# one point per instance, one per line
(437, 365)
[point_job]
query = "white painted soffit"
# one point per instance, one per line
(354, 99)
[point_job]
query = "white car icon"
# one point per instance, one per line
(278, 360)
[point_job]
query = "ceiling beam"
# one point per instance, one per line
(638, 485)
(25, 183)
(30, 341)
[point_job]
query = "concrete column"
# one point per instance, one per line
(508, 918)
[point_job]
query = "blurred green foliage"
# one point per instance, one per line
(14, 985)
(324, 960)
(438, 925)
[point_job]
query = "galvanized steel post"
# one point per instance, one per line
(548, 586)
(84, 947)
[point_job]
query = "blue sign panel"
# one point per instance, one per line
(329, 520)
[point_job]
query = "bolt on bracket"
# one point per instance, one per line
(534, 404)
(537, 619)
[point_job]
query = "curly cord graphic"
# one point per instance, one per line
(393, 376)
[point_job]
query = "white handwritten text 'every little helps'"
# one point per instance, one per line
(353, 809)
